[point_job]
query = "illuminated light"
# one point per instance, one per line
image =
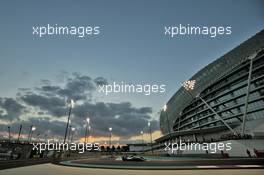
(165, 108)
(71, 103)
(189, 85)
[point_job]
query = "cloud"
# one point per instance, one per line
(48, 90)
(50, 100)
(11, 109)
(125, 119)
(53, 105)
(99, 81)
(78, 88)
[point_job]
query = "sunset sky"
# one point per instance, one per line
(38, 75)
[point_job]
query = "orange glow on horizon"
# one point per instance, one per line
(100, 139)
(146, 138)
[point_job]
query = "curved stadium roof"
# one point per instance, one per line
(209, 74)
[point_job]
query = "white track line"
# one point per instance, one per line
(210, 166)
(249, 166)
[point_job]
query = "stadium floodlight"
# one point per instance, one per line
(150, 135)
(110, 137)
(32, 128)
(165, 108)
(87, 132)
(86, 129)
(189, 86)
(142, 139)
(71, 106)
(88, 120)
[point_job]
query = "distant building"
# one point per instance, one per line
(139, 147)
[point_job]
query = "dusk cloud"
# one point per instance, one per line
(11, 109)
(50, 100)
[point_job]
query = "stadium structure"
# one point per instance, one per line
(225, 102)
